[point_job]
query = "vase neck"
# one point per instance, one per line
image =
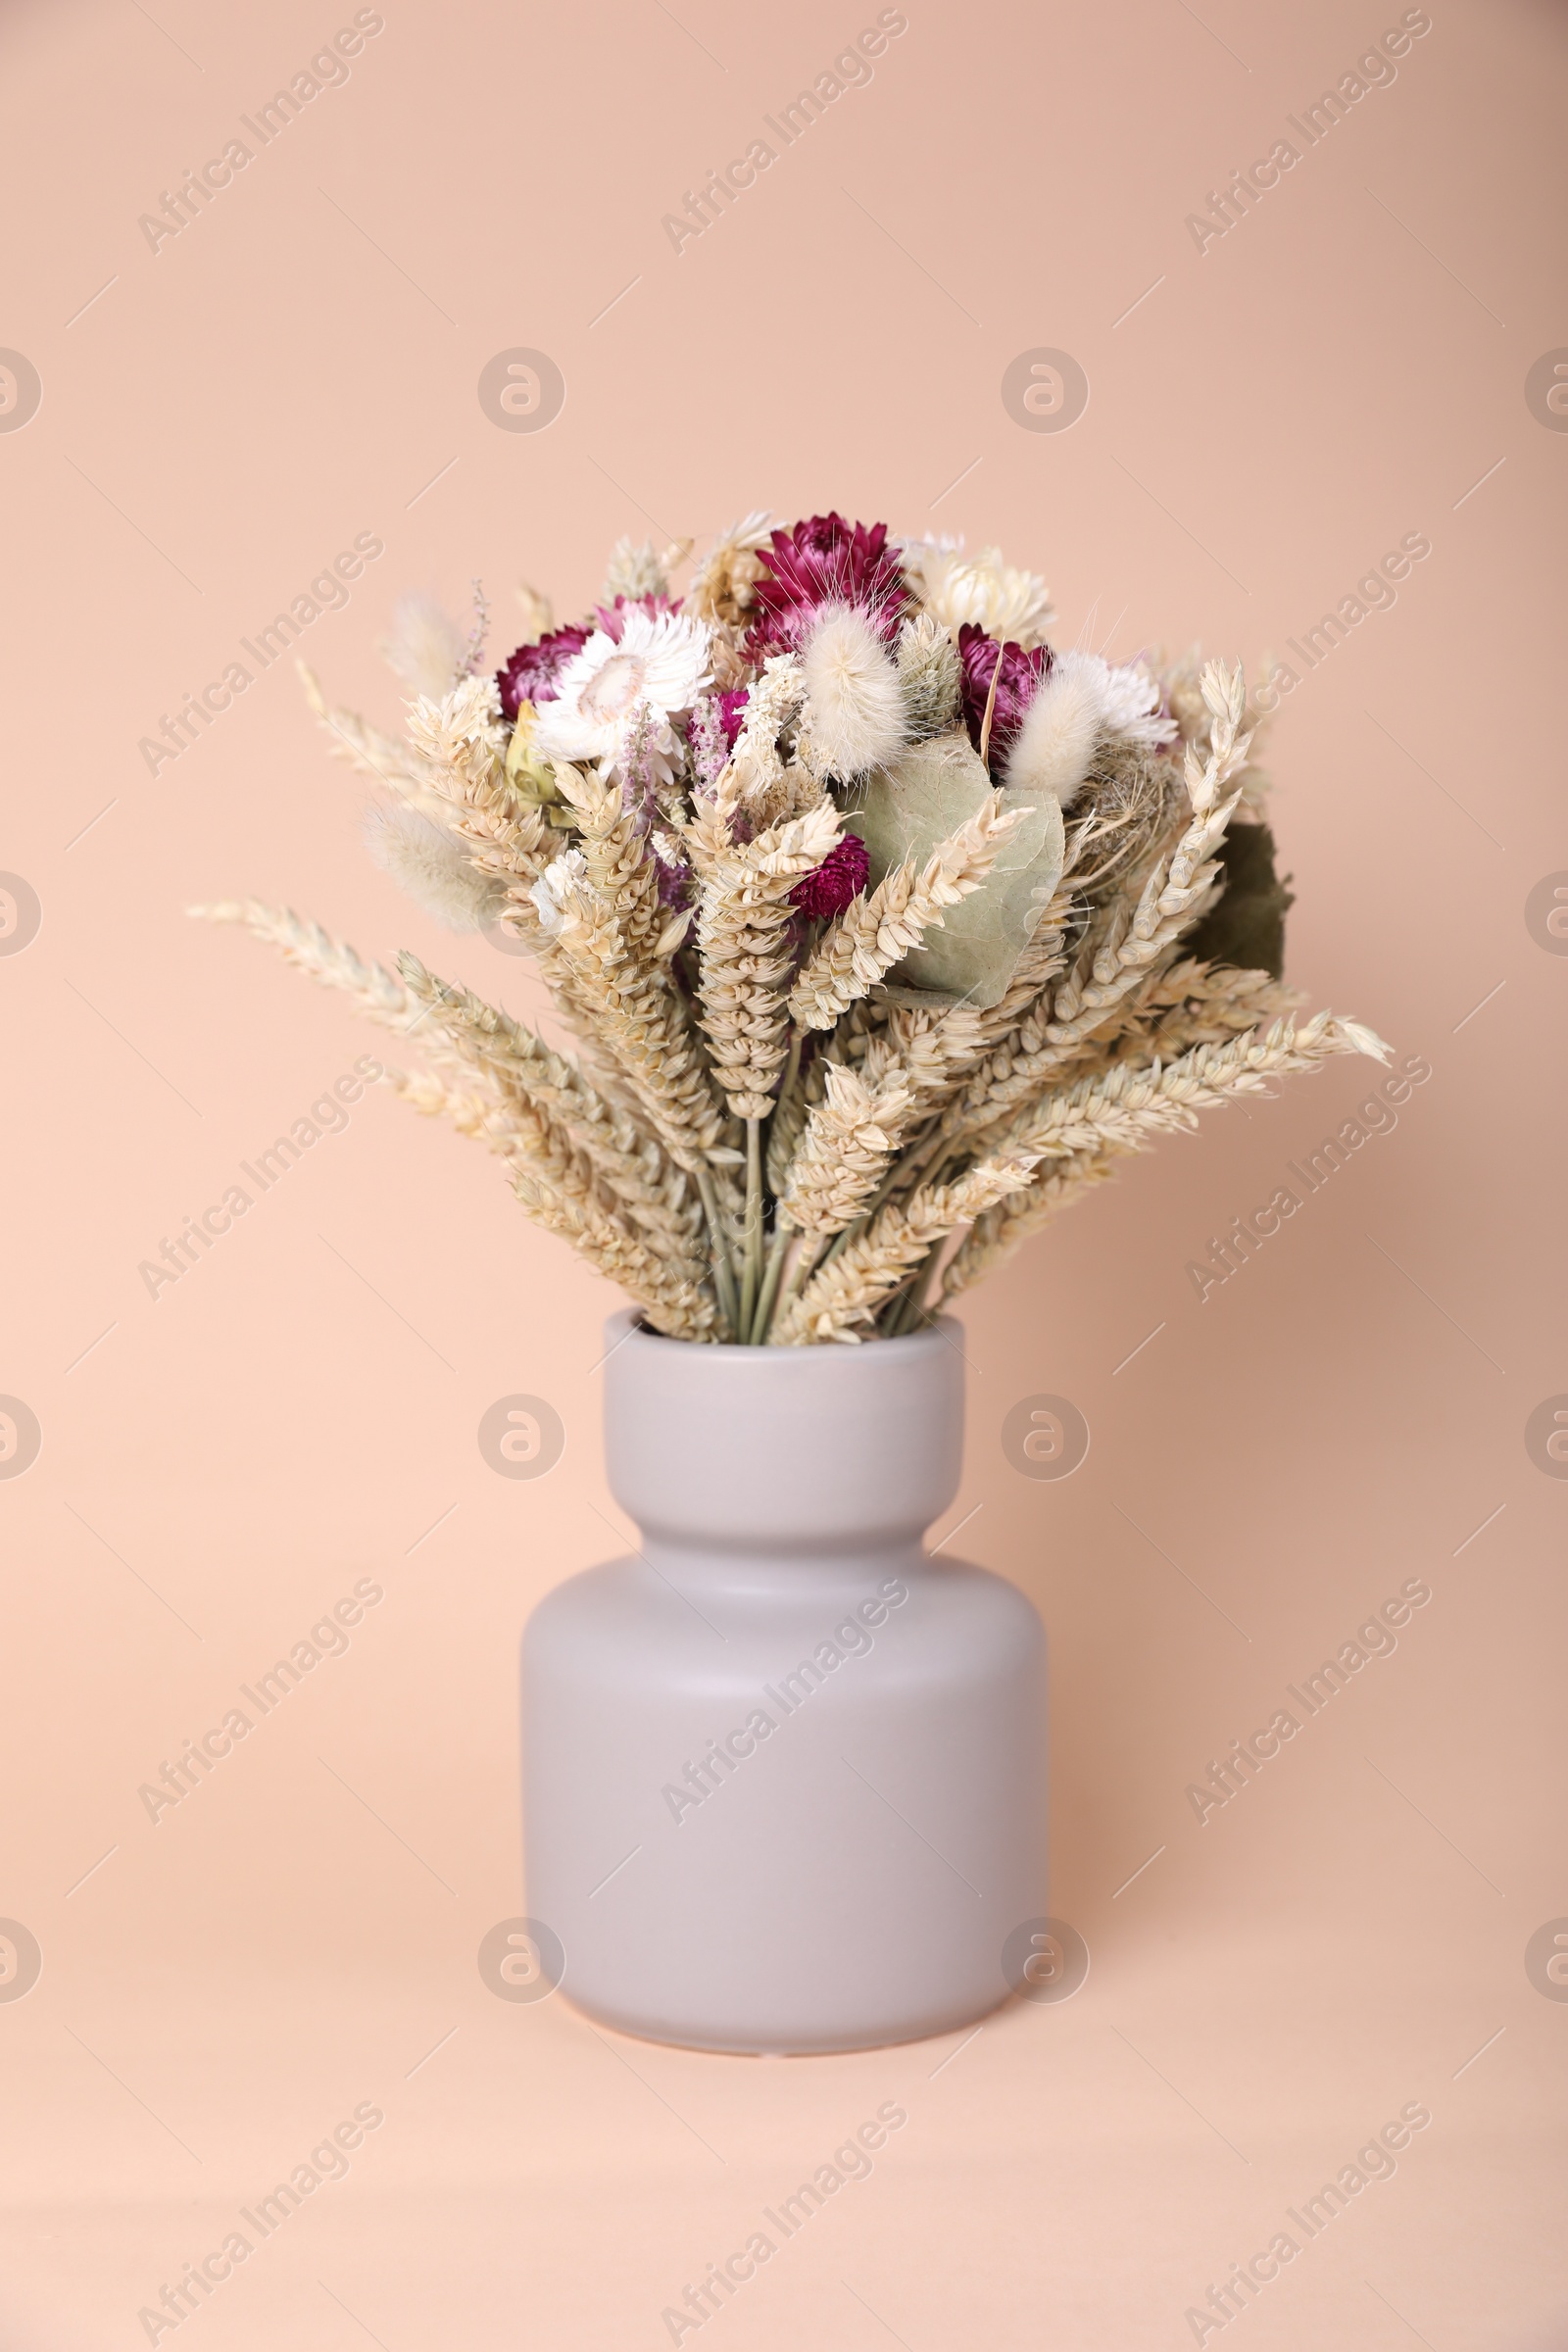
(843, 1575)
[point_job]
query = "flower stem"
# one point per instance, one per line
(777, 1250)
(723, 1272)
(906, 1172)
(909, 1310)
(791, 1071)
(752, 1230)
(810, 1250)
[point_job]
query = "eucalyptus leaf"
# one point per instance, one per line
(916, 802)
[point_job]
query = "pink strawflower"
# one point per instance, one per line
(1021, 673)
(819, 563)
(612, 619)
(529, 674)
(829, 888)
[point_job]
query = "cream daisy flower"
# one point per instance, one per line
(982, 589)
(658, 664)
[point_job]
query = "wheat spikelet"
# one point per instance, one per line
(1082, 1131)
(744, 918)
(461, 732)
(638, 1020)
(760, 768)
(1003, 1230)
(617, 861)
(928, 676)
(374, 753)
(1125, 1106)
(556, 1185)
(874, 933)
(645, 1182)
(1135, 936)
(849, 1289)
(1203, 1005)
(508, 837)
(849, 1138)
(332, 961)
(669, 1301)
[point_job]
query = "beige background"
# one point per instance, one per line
(219, 1466)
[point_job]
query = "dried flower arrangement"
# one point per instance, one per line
(878, 920)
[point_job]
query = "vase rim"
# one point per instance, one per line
(627, 1324)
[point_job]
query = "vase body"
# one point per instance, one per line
(784, 1773)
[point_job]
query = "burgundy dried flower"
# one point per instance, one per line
(829, 887)
(529, 674)
(822, 561)
(732, 712)
(1021, 674)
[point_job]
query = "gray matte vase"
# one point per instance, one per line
(784, 1773)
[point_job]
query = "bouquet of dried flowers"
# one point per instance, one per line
(877, 921)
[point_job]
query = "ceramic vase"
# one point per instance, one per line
(784, 1771)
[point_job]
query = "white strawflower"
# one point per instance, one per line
(426, 648)
(956, 588)
(1132, 699)
(659, 665)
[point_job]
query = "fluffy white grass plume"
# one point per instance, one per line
(1083, 702)
(426, 648)
(432, 869)
(854, 701)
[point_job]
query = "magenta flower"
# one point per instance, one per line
(1021, 673)
(612, 619)
(732, 712)
(822, 561)
(829, 887)
(529, 674)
